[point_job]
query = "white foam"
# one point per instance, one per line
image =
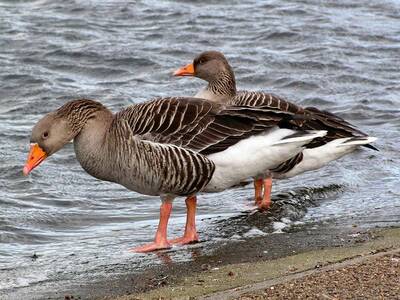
(278, 226)
(254, 232)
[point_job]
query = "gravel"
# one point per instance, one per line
(376, 278)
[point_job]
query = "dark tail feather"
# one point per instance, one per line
(370, 147)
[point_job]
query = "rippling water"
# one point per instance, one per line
(339, 55)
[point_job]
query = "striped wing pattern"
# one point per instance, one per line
(169, 138)
(168, 169)
(313, 119)
(199, 125)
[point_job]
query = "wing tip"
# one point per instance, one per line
(364, 141)
(371, 139)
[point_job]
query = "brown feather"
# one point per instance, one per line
(197, 124)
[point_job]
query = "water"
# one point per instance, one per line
(59, 224)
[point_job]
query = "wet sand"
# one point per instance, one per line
(247, 266)
(369, 257)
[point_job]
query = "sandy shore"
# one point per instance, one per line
(374, 276)
(366, 269)
(332, 260)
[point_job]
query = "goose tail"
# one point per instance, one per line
(302, 136)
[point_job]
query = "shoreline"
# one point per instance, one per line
(236, 264)
(235, 280)
(227, 269)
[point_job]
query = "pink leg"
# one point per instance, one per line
(190, 235)
(266, 200)
(258, 186)
(160, 241)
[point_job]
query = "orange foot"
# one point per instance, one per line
(265, 202)
(264, 205)
(151, 247)
(258, 201)
(184, 240)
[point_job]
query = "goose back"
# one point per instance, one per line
(314, 119)
(199, 125)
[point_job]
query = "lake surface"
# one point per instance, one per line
(59, 224)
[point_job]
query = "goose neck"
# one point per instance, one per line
(223, 85)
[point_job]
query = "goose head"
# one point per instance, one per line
(56, 129)
(49, 135)
(208, 65)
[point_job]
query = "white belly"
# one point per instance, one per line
(255, 156)
(318, 157)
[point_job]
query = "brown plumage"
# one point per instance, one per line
(199, 125)
(313, 118)
(213, 67)
(158, 147)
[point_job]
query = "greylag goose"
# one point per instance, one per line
(342, 137)
(170, 147)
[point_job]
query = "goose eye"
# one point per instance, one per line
(201, 61)
(45, 135)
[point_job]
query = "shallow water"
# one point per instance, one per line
(340, 55)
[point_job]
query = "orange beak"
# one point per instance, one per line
(187, 70)
(35, 157)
